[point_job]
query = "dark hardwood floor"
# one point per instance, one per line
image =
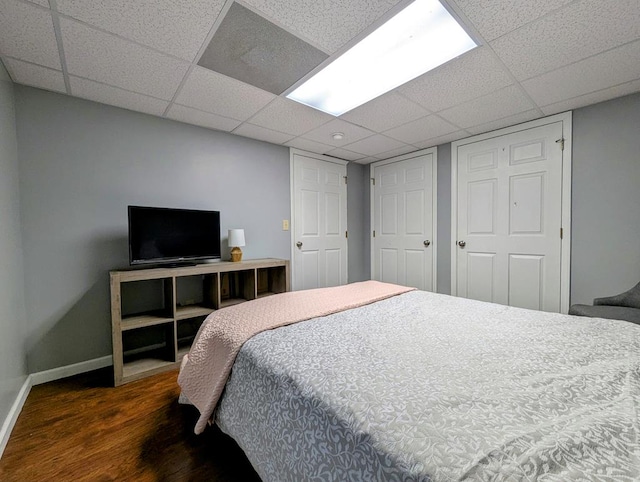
(83, 429)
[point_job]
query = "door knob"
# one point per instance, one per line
(462, 244)
(299, 244)
(427, 243)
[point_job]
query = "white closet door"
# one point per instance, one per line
(509, 218)
(320, 222)
(403, 244)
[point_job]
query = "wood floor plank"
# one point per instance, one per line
(83, 429)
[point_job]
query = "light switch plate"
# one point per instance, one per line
(285, 225)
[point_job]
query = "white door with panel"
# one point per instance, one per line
(403, 214)
(319, 222)
(509, 218)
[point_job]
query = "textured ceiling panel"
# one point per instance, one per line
(105, 94)
(451, 84)
(436, 141)
(309, 145)
(586, 76)
(35, 75)
(291, 117)
(222, 95)
(26, 32)
(385, 112)
(351, 133)
(491, 107)
(328, 24)
(255, 51)
(578, 31)
(262, 134)
(418, 130)
(593, 98)
(111, 60)
(345, 154)
(494, 18)
(177, 27)
(504, 122)
(374, 145)
(406, 149)
(44, 3)
(199, 118)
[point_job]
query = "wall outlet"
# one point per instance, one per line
(285, 225)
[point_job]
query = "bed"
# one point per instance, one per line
(416, 386)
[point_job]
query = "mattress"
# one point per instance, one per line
(428, 387)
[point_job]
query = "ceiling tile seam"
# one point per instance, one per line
(202, 111)
(196, 59)
(461, 17)
(548, 14)
(564, 66)
(32, 4)
(266, 128)
(277, 23)
(513, 78)
(58, 33)
(500, 119)
(118, 36)
(11, 57)
(563, 101)
(111, 86)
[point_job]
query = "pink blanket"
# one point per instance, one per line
(205, 369)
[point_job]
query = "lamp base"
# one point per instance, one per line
(236, 254)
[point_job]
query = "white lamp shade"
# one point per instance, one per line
(236, 237)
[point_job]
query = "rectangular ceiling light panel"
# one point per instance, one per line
(418, 39)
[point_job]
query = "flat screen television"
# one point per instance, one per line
(174, 236)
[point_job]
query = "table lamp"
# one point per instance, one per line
(236, 239)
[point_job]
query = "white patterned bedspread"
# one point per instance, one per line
(429, 387)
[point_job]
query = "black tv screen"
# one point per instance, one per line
(164, 235)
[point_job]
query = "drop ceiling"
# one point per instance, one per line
(182, 60)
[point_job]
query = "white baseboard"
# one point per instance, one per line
(12, 416)
(70, 370)
(44, 377)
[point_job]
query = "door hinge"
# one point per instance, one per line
(346, 234)
(561, 233)
(374, 233)
(345, 179)
(561, 142)
(373, 180)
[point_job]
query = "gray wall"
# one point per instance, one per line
(13, 369)
(444, 219)
(81, 164)
(605, 199)
(356, 202)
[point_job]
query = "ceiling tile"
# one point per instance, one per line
(200, 118)
(44, 3)
(385, 112)
(26, 33)
(406, 149)
(216, 93)
(328, 24)
(421, 129)
(576, 32)
(102, 57)
(345, 154)
(253, 50)
(367, 160)
(438, 141)
(106, 94)
(307, 145)
(371, 146)
(491, 107)
(505, 122)
(262, 134)
(494, 18)
(35, 75)
(586, 76)
(177, 27)
(592, 98)
(291, 117)
(351, 133)
(472, 75)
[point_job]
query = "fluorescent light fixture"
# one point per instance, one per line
(419, 38)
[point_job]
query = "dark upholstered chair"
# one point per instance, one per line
(625, 306)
